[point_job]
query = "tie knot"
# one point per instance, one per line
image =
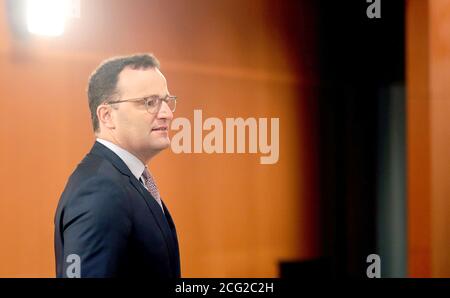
(146, 174)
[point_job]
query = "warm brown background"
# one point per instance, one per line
(235, 217)
(428, 74)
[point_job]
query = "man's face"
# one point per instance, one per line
(136, 130)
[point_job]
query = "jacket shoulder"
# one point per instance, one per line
(94, 184)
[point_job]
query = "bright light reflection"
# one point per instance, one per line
(46, 17)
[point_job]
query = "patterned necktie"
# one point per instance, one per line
(151, 186)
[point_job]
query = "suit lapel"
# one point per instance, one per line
(154, 207)
(175, 240)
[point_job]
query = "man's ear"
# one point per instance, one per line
(105, 117)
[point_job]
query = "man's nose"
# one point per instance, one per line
(165, 112)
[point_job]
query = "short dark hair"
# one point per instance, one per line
(103, 81)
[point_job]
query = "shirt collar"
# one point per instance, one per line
(133, 163)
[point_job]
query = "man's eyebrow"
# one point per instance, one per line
(165, 95)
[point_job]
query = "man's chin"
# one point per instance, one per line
(161, 145)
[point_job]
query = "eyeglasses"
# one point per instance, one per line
(152, 103)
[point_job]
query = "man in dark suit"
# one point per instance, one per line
(110, 220)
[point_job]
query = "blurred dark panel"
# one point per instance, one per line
(358, 58)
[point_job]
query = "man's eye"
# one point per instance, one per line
(152, 102)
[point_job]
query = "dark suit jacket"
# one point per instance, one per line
(108, 218)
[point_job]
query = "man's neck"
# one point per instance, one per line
(144, 159)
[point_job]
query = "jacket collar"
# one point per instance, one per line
(103, 151)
